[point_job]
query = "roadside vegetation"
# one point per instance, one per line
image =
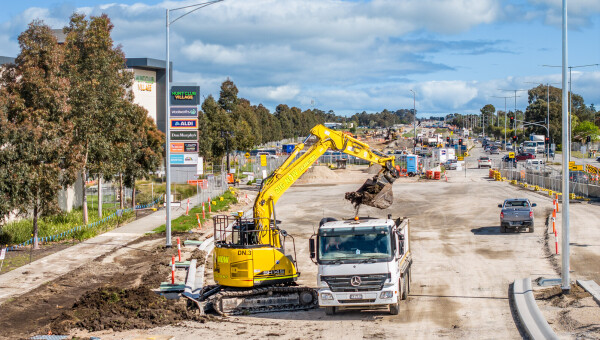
(185, 223)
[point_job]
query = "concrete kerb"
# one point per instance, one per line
(531, 318)
(591, 287)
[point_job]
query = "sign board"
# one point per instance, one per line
(184, 123)
(184, 111)
(576, 167)
(185, 95)
(184, 159)
(191, 135)
(511, 155)
(571, 163)
(460, 158)
(247, 155)
(2, 253)
(553, 147)
(263, 160)
(191, 147)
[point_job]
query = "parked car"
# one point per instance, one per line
(516, 213)
(484, 161)
(451, 164)
(524, 156)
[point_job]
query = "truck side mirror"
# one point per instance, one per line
(533, 204)
(499, 205)
(311, 247)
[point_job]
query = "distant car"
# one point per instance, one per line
(484, 161)
(507, 159)
(509, 147)
(451, 164)
(486, 148)
(598, 159)
(524, 156)
(494, 150)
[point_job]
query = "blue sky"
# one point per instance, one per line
(351, 56)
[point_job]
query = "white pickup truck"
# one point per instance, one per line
(363, 263)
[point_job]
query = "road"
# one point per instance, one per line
(462, 267)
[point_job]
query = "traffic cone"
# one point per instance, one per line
(187, 209)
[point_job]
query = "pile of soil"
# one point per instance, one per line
(199, 255)
(318, 174)
(555, 295)
(122, 309)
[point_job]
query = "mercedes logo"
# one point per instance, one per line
(355, 281)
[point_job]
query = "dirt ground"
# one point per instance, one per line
(462, 270)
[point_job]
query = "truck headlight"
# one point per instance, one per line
(386, 294)
(326, 296)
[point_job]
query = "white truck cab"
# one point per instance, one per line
(363, 263)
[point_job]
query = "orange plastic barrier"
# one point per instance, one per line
(437, 175)
(429, 174)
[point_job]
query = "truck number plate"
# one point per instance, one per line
(356, 296)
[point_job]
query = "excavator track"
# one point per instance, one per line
(263, 300)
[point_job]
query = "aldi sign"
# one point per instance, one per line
(184, 123)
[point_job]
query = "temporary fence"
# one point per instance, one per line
(66, 234)
(549, 179)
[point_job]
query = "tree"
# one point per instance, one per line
(584, 129)
(487, 112)
(98, 88)
(36, 129)
(228, 99)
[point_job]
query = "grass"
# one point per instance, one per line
(185, 223)
(20, 231)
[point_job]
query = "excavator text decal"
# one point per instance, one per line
(292, 176)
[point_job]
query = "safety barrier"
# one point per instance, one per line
(65, 234)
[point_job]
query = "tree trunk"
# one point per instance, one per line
(133, 196)
(99, 195)
(121, 191)
(84, 198)
(35, 226)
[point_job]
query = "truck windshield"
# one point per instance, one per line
(530, 144)
(355, 247)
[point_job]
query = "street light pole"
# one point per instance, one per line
(415, 122)
(167, 113)
(566, 283)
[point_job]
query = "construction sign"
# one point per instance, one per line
(263, 160)
(511, 155)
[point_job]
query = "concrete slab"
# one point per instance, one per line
(591, 287)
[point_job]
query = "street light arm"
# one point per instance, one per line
(198, 6)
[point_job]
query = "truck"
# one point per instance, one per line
(516, 214)
(364, 263)
(530, 147)
(539, 142)
(442, 155)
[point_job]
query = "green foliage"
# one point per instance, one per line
(20, 231)
(185, 223)
(584, 129)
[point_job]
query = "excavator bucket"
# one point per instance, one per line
(374, 193)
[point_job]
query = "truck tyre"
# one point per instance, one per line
(531, 228)
(395, 308)
(502, 228)
(330, 310)
(404, 295)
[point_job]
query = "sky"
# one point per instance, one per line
(351, 55)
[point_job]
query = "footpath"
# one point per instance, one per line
(37, 273)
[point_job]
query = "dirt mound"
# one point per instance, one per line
(121, 309)
(373, 169)
(556, 297)
(199, 255)
(318, 174)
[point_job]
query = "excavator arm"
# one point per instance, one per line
(375, 192)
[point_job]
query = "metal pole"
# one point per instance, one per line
(505, 141)
(566, 282)
(415, 122)
(167, 147)
(548, 123)
(570, 111)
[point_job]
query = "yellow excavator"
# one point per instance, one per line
(251, 268)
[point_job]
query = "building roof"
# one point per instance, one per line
(146, 63)
(6, 60)
(60, 36)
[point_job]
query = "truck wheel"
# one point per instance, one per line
(330, 310)
(502, 228)
(395, 309)
(404, 295)
(531, 229)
